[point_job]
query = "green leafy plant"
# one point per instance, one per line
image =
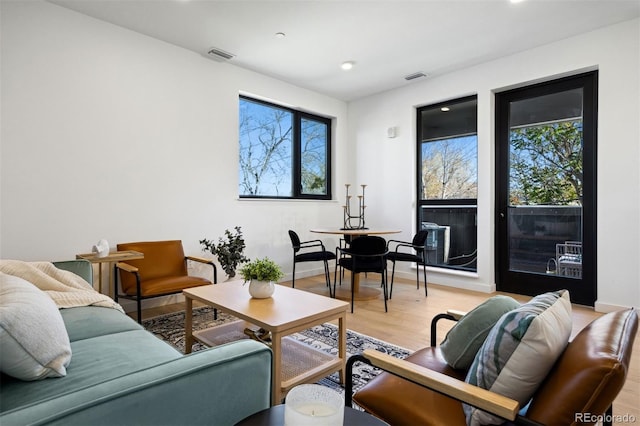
(546, 163)
(229, 250)
(261, 269)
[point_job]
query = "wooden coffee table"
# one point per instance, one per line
(286, 312)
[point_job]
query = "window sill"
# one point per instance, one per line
(453, 272)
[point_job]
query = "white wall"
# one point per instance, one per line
(388, 165)
(107, 133)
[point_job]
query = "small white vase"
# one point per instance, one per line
(261, 289)
(101, 249)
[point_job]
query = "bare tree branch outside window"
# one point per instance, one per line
(280, 147)
(265, 150)
(314, 157)
(449, 169)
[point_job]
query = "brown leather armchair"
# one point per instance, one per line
(424, 390)
(162, 271)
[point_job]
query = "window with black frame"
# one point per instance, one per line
(284, 153)
(447, 173)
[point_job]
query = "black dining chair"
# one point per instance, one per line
(343, 243)
(364, 254)
(409, 252)
(301, 254)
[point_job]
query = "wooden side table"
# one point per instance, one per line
(110, 259)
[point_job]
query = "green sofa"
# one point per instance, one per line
(121, 374)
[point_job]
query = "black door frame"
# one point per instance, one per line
(583, 291)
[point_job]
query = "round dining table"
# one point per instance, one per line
(359, 293)
(355, 231)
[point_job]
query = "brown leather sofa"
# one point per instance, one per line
(162, 271)
(424, 390)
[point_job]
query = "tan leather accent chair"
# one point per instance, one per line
(424, 390)
(162, 271)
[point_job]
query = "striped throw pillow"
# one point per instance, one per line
(520, 350)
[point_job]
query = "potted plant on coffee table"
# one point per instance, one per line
(229, 251)
(262, 274)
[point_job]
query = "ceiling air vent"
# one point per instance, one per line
(414, 76)
(219, 54)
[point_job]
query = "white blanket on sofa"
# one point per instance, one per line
(67, 289)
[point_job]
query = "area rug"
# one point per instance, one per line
(170, 328)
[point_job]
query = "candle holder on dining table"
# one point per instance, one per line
(348, 217)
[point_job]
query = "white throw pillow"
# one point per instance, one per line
(520, 350)
(34, 343)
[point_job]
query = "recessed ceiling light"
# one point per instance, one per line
(280, 35)
(445, 109)
(347, 65)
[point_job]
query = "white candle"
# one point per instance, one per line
(313, 405)
(316, 409)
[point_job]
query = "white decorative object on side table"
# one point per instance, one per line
(101, 249)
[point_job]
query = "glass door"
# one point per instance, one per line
(546, 188)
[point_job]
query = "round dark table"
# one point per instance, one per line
(274, 416)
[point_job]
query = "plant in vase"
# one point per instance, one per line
(229, 251)
(262, 275)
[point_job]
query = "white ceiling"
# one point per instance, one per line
(387, 40)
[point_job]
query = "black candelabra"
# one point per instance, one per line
(347, 210)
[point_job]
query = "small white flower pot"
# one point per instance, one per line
(261, 289)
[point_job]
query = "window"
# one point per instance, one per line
(448, 182)
(284, 153)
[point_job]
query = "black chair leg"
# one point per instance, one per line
(384, 290)
(424, 271)
(352, 288)
(327, 274)
(139, 310)
(341, 275)
(293, 278)
(115, 285)
(327, 277)
(335, 271)
(393, 271)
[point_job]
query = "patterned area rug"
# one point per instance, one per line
(170, 328)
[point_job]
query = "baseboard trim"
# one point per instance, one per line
(609, 307)
(451, 278)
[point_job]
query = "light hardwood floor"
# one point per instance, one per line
(406, 324)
